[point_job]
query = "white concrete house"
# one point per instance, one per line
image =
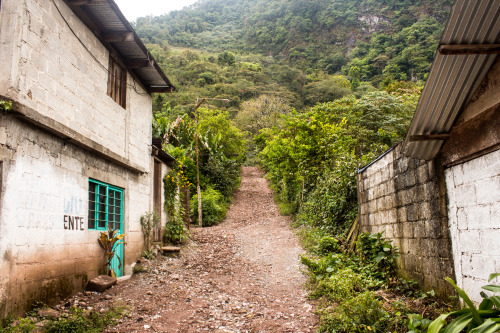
(438, 193)
(75, 150)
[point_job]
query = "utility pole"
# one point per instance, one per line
(198, 189)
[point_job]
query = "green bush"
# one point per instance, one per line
(341, 285)
(175, 231)
(377, 253)
(327, 244)
(362, 313)
(213, 207)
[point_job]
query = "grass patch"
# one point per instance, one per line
(76, 321)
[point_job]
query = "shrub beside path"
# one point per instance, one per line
(243, 275)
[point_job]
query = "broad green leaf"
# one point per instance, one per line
(489, 326)
(492, 276)
(437, 324)
(492, 287)
(486, 304)
(489, 313)
(467, 300)
(458, 324)
(496, 301)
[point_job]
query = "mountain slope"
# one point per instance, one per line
(316, 34)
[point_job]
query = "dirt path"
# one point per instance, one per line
(241, 276)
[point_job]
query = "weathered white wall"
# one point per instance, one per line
(474, 218)
(48, 69)
(45, 179)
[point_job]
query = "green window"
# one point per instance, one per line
(105, 206)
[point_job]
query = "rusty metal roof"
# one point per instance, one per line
(455, 75)
(106, 21)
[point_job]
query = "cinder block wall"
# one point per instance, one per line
(43, 179)
(49, 69)
(46, 69)
(474, 217)
(406, 199)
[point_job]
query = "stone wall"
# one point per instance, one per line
(406, 199)
(474, 217)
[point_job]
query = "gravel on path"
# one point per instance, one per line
(243, 275)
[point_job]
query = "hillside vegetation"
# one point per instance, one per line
(315, 90)
(378, 36)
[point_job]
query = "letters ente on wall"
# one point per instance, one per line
(73, 220)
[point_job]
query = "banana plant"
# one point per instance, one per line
(109, 241)
(484, 319)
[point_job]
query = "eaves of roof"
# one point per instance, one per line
(160, 153)
(109, 25)
(468, 48)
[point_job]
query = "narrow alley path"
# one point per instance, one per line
(243, 275)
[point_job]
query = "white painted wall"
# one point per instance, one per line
(45, 67)
(474, 218)
(44, 180)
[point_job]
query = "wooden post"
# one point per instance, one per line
(198, 188)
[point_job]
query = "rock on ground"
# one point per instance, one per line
(243, 275)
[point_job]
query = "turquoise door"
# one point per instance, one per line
(106, 211)
(115, 221)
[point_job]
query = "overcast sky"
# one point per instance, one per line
(132, 9)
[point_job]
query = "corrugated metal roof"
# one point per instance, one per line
(104, 17)
(453, 79)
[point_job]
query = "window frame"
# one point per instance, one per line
(98, 202)
(117, 82)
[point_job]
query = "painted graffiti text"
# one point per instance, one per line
(74, 222)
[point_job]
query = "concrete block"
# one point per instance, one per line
(422, 174)
(44, 254)
(408, 230)
(489, 242)
(424, 210)
(402, 165)
(398, 230)
(390, 187)
(402, 214)
(469, 242)
(392, 215)
(389, 231)
(419, 230)
(412, 213)
(465, 195)
(481, 266)
(410, 179)
(494, 217)
(458, 174)
(473, 287)
(478, 217)
(434, 228)
(488, 191)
